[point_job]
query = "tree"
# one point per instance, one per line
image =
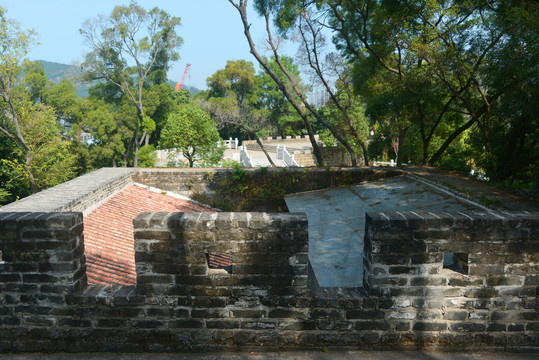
(132, 35)
(281, 114)
(289, 87)
(325, 67)
(448, 69)
(14, 46)
(193, 132)
(52, 161)
(237, 97)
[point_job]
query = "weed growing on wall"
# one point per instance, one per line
(264, 189)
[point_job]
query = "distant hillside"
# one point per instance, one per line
(192, 89)
(56, 72)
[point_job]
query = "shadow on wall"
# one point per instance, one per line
(180, 305)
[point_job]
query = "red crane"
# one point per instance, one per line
(180, 85)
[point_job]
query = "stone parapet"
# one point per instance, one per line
(265, 255)
(78, 194)
(460, 279)
(242, 281)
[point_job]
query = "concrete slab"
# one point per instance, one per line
(337, 221)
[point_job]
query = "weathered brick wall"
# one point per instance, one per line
(266, 301)
(178, 304)
(336, 156)
(268, 252)
(80, 194)
(43, 253)
(491, 301)
(184, 181)
(333, 156)
(189, 181)
(305, 160)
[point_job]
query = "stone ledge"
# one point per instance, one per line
(77, 194)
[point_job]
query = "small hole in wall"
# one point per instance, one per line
(219, 262)
(457, 262)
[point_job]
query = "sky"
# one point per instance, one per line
(211, 30)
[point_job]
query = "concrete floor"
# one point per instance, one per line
(337, 221)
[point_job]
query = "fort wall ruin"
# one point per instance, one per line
(262, 295)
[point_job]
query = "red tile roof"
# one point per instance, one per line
(108, 232)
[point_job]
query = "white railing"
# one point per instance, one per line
(279, 152)
(283, 154)
(164, 157)
(245, 159)
(384, 163)
(231, 144)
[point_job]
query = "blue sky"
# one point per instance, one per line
(211, 30)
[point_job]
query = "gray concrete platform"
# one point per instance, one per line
(337, 221)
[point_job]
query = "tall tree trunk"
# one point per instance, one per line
(450, 139)
(242, 9)
(314, 63)
(402, 135)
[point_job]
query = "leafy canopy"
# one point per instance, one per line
(193, 132)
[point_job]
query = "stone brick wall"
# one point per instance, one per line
(305, 160)
(268, 255)
(336, 156)
(190, 181)
(268, 298)
(80, 194)
(490, 300)
(178, 303)
(333, 156)
(183, 181)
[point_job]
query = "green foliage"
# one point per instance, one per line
(348, 123)
(486, 201)
(4, 196)
(39, 156)
(449, 83)
(281, 115)
(229, 163)
(262, 188)
(147, 39)
(57, 72)
(192, 131)
(238, 175)
(52, 162)
(249, 104)
(147, 156)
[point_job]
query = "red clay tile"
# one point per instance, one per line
(108, 232)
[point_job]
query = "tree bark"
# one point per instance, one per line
(241, 7)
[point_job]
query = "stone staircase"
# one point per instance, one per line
(272, 148)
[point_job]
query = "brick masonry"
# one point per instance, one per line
(190, 181)
(80, 194)
(269, 300)
(179, 304)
